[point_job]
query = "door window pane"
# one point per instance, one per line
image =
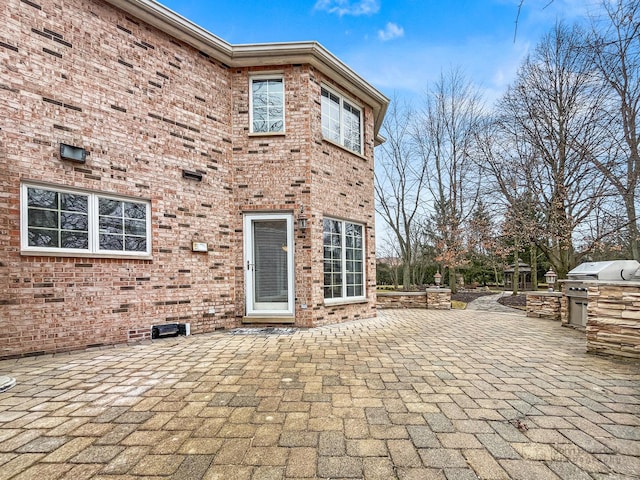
(270, 253)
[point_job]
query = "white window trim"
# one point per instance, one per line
(344, 299)
(271, 76)
(93, 222)
(249, 258)
(354, 104)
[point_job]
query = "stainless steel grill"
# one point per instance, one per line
(615, 270)
(577, 290)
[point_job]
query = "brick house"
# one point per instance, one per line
(154, 174)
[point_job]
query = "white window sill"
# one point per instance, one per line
(267, 134)
(342, 147)
(48, 253)
(345, 301)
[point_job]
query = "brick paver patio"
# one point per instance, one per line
(410, 395)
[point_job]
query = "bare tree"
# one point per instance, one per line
(445, 135)
(550, 116)
(400, 181)
(510, 174)
(613, 47)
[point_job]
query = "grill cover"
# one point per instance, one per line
(615, 270)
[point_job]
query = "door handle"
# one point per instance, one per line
(249, 265)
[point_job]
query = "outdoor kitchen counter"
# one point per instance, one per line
(613, 317)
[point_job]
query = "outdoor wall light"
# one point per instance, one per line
(189, 175)
(75, 154)
(550, 278)
(437, 278)
(302, 219)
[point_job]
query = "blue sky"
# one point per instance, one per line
(399, 46)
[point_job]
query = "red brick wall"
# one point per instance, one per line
(341, 187)
(271, 172)
(286, 172)
(146, 106)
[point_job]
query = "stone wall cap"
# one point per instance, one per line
(399, 294)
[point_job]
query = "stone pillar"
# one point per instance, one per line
(438, 299)
(544, 305)
(613, 325)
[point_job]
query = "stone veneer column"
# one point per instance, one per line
(544, 305)
(613, 325)
(438, 299)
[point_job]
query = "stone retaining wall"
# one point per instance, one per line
(432, 299)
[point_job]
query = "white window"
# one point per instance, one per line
(341, 121)
(267, 105)
(59, 221)
(343, 260)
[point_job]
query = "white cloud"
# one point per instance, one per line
(349, 7)
(390, 32)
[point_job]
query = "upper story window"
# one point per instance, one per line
(61, 221)
(341, 121)
(267, 104)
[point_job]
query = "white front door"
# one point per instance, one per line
(268, 265)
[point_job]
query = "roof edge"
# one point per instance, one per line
(261, 54)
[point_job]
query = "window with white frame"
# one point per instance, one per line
(343, 260)
(341, 121)
(58, 220)
(267, 104)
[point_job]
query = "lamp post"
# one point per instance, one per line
(437, 278)
(550, 278)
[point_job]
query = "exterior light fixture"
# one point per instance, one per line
(437, 278)
(302, 219)
(550, 278)
(75, 154)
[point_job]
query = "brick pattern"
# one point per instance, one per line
(410, 394)
(342, 186)
(138, 102)
(146, 106)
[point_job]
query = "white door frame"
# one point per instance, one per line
(252, 308)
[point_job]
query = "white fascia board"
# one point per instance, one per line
(263, 54)
(177, 26)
